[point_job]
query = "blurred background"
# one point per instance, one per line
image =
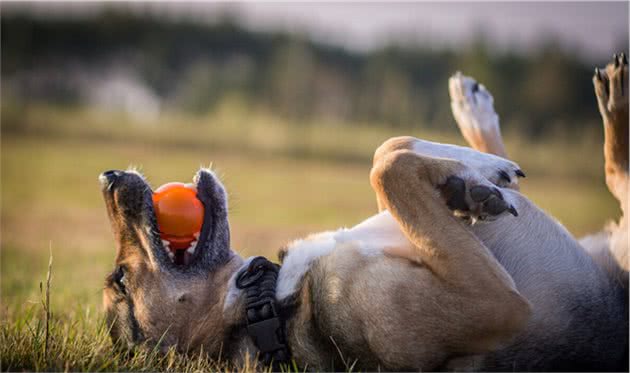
(287, 101)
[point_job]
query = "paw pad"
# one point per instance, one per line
(477, 202)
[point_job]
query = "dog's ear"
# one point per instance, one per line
(215, 231)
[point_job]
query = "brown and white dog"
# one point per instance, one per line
(458, 270)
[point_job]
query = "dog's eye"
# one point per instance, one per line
(119, 277)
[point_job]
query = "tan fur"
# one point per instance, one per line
(391, 145)
(611, 89)
(612, 100)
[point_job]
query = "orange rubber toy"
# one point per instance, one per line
(179, 214)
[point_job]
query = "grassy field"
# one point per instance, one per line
(284, 181)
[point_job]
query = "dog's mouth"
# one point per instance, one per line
(130, 206)
(183, 256)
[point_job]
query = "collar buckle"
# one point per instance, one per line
(265, 335)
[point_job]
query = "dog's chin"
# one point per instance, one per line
(129, 196)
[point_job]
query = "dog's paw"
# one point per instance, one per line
(472, 106)
(499, 171)
(611, 86)
(474, 199)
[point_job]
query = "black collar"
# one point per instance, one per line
(265, 324)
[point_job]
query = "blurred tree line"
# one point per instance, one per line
(194, 67)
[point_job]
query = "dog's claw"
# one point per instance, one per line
(616, 60)
(512, 211)
(520, 173)
(598, 75)
(624, 59)
(495, 206)
(505, 176)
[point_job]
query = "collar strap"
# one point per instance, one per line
(264, 324)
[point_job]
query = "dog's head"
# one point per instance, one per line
(148, 298)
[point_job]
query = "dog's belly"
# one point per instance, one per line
(365, 307)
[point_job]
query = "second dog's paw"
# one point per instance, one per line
(473, 199)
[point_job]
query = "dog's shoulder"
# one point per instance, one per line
(297, 259)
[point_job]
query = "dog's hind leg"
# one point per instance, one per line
(416, 190)
(473, 108)
(611, 89)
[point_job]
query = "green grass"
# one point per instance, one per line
(284, 181)
(79, 341)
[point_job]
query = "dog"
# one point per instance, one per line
(457, 271)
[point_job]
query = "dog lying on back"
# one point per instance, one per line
(458, 270)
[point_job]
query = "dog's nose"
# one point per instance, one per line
(108, 177)
(112, 174)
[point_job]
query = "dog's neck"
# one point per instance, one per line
(239, 342)
(216, 322)
(225, 317)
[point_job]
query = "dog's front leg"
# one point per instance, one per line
(408, 185)
(498, 171)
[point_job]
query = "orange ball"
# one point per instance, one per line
(179, 213)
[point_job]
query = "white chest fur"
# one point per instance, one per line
(371, 237)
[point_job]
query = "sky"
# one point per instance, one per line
(590, 29)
